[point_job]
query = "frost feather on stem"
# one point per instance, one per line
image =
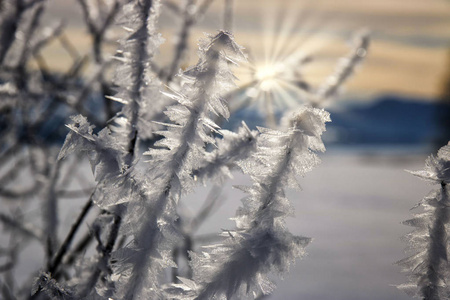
(138, 87)
(171, 165)
(344, 70)
(428, 267)
(232, 148)
(260, 244)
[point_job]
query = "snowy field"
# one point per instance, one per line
(352, 205)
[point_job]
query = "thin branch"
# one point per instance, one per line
(54, 264)
(210, 204)
(26, 229)
(189, 19)
(203, 8)
(105, 255)
(92, 27)
(173, 7)
(68, 46)
(74, 193)
(78, 249)
(50, 210)
(228, 16)
(12, 173)
(10, 23)
(33, 26)
(49, 35)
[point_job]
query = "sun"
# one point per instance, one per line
(275, 70)
(267, 76)
(279, 72)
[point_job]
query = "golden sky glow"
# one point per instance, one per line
(408, 55)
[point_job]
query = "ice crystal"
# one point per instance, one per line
(428, 267)
(231, 148)
(437, 168)
(260, 244)
(171, 166)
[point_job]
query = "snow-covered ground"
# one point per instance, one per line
(353, 206)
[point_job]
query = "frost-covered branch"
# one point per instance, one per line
(172, 163)
(98, 20)
(428, 267)
(228, 15)
(345, 69)
(191, 14)
(11, 16)
(261, 241)
(139, 88)
(50, 213)
(231, 148)
(54, 264)
(19, 225)
(51, 288)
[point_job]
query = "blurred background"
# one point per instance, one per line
(390, 114)
(399, 96)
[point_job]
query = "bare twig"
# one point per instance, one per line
(78, 249)
(228, 16)
(54, 264)
(345, 68)
(12, 16)
(26, 229)
(211, 203)
(105, 252)
(173, 7)
(68, 46)
(189, 19)
(50, 210)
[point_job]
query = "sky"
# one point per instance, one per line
(409, 52)
(410, 38)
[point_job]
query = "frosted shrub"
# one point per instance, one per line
(145, 205)
(138, 229)
(260, 243)
(428, 267)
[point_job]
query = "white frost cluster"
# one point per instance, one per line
(232, 148)
(138, 87)
(437, 168)
(428, 267)
(260, 244)
(143, 206)
(172, 162)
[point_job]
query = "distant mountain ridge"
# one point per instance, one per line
(390, 119)
(386, 120)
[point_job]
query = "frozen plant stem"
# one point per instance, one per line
(12, 13)
(105, 255)
(139, 56)
(261, 243)
(188, 21)
(231, 148)
(50, 210)
(173, 167)
(190, 17)
(53, 264)
(437, 255)
(69, 238)
(344, 70)
(429, 267)
(228, 16)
